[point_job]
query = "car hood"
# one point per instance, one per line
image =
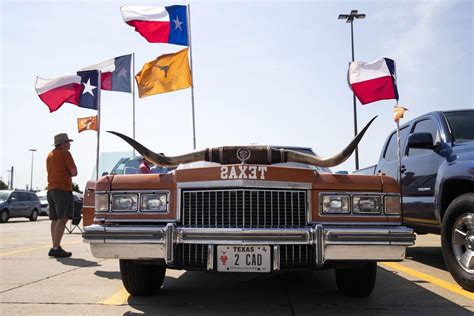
(464, 151)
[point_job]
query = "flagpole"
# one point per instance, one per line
(188, 17)
(98, 124)
(133, 96)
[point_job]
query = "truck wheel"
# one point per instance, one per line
(34, 215)
(141, 279)
(4, 216)
(357, 282)
(457, 240)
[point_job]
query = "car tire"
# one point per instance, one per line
(34, 215)
(141, 279)
(358, 281)
(457, 240)
(4, 216)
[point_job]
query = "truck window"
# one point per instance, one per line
(425, 126)
(391, 149)
(461, 126)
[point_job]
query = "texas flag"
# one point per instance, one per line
(373, 81)
(80, 89)
(158, 24)
(115, 73)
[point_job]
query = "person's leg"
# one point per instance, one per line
(58, 232)
(62, 201)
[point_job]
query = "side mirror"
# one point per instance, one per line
(421, 141)
(105, 173)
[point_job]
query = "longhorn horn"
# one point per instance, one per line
(160, 159)
(294, 156)
(258, 155)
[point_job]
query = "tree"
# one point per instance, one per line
(75, 188)
(3, 186)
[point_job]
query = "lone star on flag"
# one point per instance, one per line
(88, 87)
(177, 23)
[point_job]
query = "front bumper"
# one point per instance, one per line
(331, 243)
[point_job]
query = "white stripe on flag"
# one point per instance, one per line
(363, 71)
(143, 13)
(105, 66)
(43, 85)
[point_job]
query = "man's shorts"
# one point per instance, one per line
(60, 204)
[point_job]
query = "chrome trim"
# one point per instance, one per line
(329, 242)
(245, 183)
(210, 257)
(169, 242)
(276, 258)
(365, 252)
(144, 220)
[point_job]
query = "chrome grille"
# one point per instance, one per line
(192, 255)
(294, 256)
(244, 208)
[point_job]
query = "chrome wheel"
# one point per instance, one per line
(463, 241)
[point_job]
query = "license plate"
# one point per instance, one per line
(243, 258)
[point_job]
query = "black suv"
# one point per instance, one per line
(18, 204)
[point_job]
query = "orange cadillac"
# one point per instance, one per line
(249, 209)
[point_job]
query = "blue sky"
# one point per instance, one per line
(265, 72)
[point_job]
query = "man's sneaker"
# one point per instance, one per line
(59, 253)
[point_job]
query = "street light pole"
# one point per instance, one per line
(350, 19)
(31, 178)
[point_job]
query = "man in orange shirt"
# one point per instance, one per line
(61, 168)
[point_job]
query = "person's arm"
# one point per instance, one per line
(71, 166)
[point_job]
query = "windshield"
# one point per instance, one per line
(4, 196)
(461, 125)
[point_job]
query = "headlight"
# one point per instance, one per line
(125, 202)
(339, 204)
(392, 205)
(366, 204)
(154, 202)
(101, 202)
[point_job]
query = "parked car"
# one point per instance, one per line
(437, 177)
(246, 209)
(42, 196)
(44, 202)
(16, 203)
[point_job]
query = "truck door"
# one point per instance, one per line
(388, 162)
(419, 171)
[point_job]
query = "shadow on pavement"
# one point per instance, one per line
(287, 293)
(78, 262)
(108, 275)
(431, 256)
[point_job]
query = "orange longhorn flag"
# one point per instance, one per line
(166, 73)
(398, 112)
(87, 123)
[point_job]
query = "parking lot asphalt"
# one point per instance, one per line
(31, 283)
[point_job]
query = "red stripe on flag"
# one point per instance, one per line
(153, 31)
(56, 97)
(106, 81)
(374, 90)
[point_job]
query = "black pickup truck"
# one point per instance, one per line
(437, 183)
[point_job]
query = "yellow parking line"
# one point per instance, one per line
(119, 298)
(33, 249)
(431, 279)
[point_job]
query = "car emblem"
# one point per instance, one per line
(243, 154)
